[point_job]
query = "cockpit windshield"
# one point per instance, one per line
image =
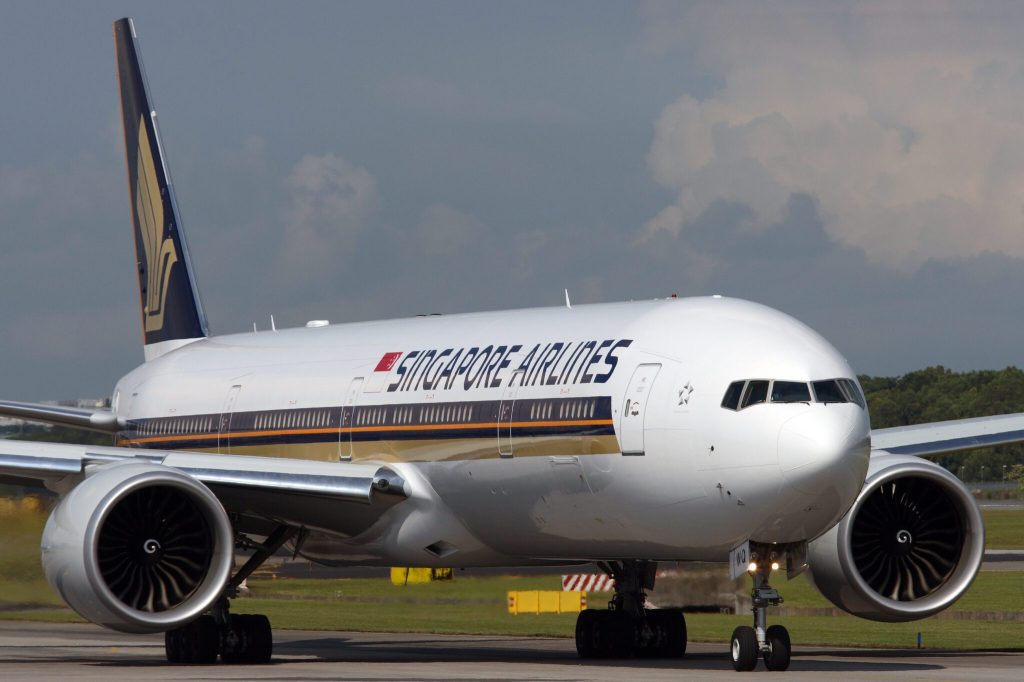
(748, 392)
(790, 392)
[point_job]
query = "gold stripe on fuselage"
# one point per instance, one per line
(419, 450)
(360, 429)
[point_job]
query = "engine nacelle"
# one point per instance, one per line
(908, 548)
(138, 547)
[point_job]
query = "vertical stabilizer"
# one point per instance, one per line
(172, 314)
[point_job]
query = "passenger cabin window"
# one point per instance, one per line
(732, 395)
(757, 392)
(790, 392)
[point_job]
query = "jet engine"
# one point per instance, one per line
(908, 548)
(138, 547)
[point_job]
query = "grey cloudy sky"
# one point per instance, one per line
(857, 165)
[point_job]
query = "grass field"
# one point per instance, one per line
(1004, 528)
(478, 604)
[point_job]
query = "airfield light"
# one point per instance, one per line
(752, 568)
(775, 565)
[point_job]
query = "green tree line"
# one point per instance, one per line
(937, 394)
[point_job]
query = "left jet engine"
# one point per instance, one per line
(138, 547)
(908, 548)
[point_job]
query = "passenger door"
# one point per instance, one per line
(634, 409)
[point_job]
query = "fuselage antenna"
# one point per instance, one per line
(567, 303)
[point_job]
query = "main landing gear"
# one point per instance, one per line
(235, 638)
(771, 643)
(627, 628)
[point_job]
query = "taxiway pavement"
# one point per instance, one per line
(39, 651)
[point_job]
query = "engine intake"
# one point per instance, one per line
(908, 548)
(138, 547)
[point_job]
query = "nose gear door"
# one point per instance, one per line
(634, 408)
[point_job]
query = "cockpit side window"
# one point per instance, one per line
(790, 392)
(828, 392)
(756, 392)
(731, 400)
(852, 392)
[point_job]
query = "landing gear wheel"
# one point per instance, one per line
(246, 639)
(197, 642)
(587, 642)
(744, 648)
(675, 643)
(261, 642)
(669, 626)
(614, 635)
(777, 656)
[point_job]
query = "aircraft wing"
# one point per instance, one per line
(949, 436)
(93, 420)
(341, 498)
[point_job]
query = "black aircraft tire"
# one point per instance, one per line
(174, 647)
(743, 647)
(261, 640)
(206, 640)
(617, 638)
(674, 642)
(586, 634)
(779, 648)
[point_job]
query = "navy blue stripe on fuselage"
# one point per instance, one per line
(548, 417)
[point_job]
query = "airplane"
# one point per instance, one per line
(626, 434)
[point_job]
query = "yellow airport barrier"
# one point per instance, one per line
(418, 576)
(546, 601)
(11, 507)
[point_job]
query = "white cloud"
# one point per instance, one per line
(331, 203)
(906, 122)
(444, 231)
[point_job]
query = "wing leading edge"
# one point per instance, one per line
(339, 498)
(949, 436)
(92, 420)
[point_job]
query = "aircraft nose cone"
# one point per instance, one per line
(826, 448)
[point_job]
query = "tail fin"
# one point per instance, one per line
(172, 313)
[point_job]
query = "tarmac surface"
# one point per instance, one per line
(40, 651)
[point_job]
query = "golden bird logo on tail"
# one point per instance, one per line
(160, 252)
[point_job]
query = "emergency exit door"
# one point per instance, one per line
(634, 409)
(505, 411)
(346, 447)
(224, 423)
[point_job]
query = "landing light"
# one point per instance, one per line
(752, 567)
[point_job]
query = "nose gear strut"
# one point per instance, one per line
(771, 643)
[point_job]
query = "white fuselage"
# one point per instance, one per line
(527, 436)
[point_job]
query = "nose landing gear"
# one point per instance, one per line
(771, 643)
